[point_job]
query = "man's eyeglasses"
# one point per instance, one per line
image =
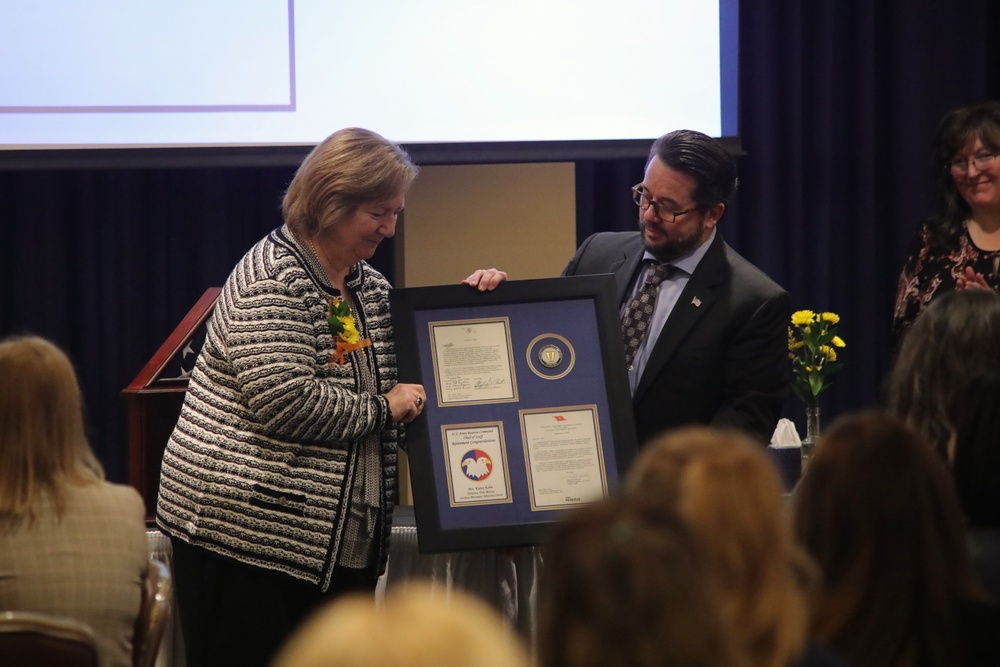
(644, 202)
(960, 165)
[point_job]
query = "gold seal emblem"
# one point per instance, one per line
(550, 356)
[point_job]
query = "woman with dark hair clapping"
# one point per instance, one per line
(960, 246)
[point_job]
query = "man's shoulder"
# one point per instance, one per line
(610, 244)
(600, 251)
(748, 275)
(612, 239)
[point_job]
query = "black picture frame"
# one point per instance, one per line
(581, 383)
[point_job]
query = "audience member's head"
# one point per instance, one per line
(956, 335)
(414, 626)
(974, 449)
(624, 585)
(728, 491)
(877, 511)
(42, 442)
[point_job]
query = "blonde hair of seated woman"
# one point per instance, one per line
(416, 625)
(71, 544)
(625, 584)
(42, 442)
(728, 491)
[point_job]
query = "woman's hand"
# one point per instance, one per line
(485, 279)
(406, 402)
(971, 280)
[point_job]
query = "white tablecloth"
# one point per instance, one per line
(506, 578)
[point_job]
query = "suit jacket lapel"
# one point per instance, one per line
(625, 268)
(694, 302)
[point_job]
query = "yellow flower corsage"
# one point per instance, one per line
(345, 332)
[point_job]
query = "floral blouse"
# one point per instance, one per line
(926, 275)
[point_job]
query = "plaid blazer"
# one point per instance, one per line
(88, 565)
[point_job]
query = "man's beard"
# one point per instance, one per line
(674, 247)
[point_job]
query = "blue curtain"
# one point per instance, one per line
(839, 100)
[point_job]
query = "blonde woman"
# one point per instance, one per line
(728, 491)
(279, 480)
(416, 626)
(71, 544)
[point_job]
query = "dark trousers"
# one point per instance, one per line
(237, 614)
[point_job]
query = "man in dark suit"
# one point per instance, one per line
(714, 350)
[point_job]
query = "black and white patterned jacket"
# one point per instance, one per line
(261, 464)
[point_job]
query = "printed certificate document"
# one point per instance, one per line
(477, 464)
(562, 450)
(472, 361)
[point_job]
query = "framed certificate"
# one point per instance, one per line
(528, 413)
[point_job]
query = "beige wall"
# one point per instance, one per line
(517, 217)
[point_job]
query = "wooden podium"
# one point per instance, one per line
(156, 394)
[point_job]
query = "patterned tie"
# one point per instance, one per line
(635, 321)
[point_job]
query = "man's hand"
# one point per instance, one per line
(486, 280)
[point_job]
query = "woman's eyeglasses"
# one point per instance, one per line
(960, 165)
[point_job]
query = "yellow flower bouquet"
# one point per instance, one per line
(812, 347)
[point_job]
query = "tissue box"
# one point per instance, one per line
(789, 463)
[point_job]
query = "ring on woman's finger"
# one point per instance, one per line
(420, 401)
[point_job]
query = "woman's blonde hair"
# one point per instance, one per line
(350, 168)
(626, 584)
(725, 487)
(43, 447)
(414, 626)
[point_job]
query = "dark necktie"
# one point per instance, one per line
(635, 320)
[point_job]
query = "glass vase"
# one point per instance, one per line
(812, 434)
